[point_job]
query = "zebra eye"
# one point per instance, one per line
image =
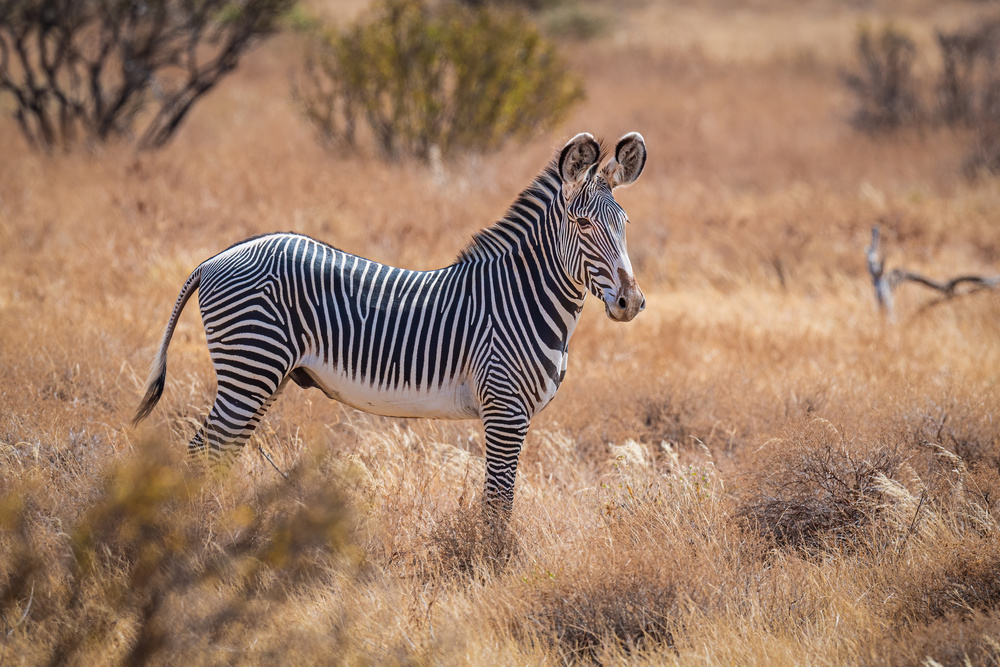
(584, 223)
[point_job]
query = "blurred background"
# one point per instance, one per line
(705, 476)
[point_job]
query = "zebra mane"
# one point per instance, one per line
(496, 239)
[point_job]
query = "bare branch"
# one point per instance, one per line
(92, 64)
(886, 282)
(876, 267)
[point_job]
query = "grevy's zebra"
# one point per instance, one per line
(485, 337)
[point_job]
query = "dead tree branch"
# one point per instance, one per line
(886, 282)
(126, 68)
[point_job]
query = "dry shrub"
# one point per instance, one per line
(968, 57)
(469, 540)
(975, 437)
(950, 642)
(941, 577)
(963, 428)
(962, 580)
(985, 481)
(983, 154)
(819, 489)
(154, 539)
(611, 603)
(951, 566)
(665, 544)
(666, 419)
(884, 86)
(969, 90)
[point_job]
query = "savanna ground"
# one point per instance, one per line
(760, 469)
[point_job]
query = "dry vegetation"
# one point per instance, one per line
(757, 470)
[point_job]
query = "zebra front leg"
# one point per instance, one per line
(506, 427)
(229, 425)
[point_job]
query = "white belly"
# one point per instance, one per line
(453, 400)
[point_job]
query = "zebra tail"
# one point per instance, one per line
(158, 369)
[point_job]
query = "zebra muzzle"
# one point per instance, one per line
(628, 301)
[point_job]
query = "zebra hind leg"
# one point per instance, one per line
(229, 424)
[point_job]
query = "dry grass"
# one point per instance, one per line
(758, 470)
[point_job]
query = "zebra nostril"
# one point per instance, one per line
(622, 303)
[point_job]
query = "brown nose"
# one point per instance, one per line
(629, 301)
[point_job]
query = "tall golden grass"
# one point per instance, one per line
(757, 470)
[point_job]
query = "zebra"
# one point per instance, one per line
(486, 337)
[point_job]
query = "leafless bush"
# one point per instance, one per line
(820, 489)
(630, 606)
(968, 60)
(884, 85)
(92, 67)
(969, 90)
(984, 152)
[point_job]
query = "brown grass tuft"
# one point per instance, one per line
(582, 612)
(954, 641)
(469, 540)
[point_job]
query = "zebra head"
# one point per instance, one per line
(593, 234)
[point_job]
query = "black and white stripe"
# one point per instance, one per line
(486, 337)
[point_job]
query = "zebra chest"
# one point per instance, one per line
(549, 389)
(552, 366)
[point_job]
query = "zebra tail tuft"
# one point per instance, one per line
(158, 372)
(154, 389)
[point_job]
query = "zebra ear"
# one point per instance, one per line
(578, 157)
(627, 164)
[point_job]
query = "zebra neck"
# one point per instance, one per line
(528, 233)
(523, 246)
(529, 221)
(520, 254)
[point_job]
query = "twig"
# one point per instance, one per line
(27, 609)
(913, 523)
(10, 631)
(260, 448)
(886, 282)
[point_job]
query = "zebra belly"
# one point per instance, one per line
(450, 401)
